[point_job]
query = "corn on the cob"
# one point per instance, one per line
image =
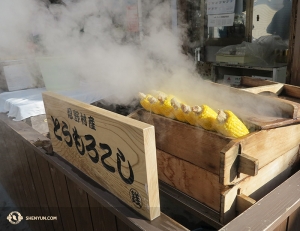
(189, 115)
(155, 105)
(177, 110)
(229, 124)
(205, 116)
(144, 101)
(166, 108)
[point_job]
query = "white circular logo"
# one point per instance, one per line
(14, 217)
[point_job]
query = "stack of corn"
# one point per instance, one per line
(224, 122)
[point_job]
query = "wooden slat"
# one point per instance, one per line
(292, 91)
(49, 191)
(283, 201)
(25, 185)
(7, 177)
(253, 82)
(229, 162)
(102, 218)
(31, 156)
(243, 202)
(190, 179)
(294, 221)
(35, 203)
(258, 186)
(282, 226)
(63, 199)
(80, 206)
(275, 88)
(122, 226)
(247, 165)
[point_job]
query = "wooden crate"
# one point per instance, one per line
(225, 174)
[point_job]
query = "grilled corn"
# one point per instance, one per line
(205, 116)
(189, 115)
(177, 110)
(155, 105)
(144, 101)
(165, 108)
(229, 124)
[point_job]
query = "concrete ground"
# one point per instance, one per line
(6, 207)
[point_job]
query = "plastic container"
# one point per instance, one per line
(58, 73)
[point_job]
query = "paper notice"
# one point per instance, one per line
(18, 77)
(220, 20)
(220, 7)
(132, 17)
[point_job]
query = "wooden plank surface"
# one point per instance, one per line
(274, 88)
(19, 160)
(243, 202)
(282, 226)
(31, 156)
(49, 191)
(190, 143)
(63, 198)
(284, 200)
(253, 82)
(247, 165)
(194, 181)
(80, 206)
(29, 186)
(294, 221)
(102, 218)
(258, 186)
(116, 151)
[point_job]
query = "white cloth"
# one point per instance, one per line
(26, 103)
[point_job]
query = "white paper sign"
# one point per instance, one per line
(220, 20)
(220, 7)
(18, 77)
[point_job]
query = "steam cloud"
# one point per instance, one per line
(93, 35)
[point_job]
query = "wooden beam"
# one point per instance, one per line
(247, 165)
(243, 202)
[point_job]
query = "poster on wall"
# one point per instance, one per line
(132, 18)
(220, 20)
(220, 7)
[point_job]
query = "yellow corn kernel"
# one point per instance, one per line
(166, 108)
(144, 101)
(177, 111)
(189, 115)
(155, 105)
(229, 124)
(205, 116)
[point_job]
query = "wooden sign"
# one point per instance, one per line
(117, 152)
